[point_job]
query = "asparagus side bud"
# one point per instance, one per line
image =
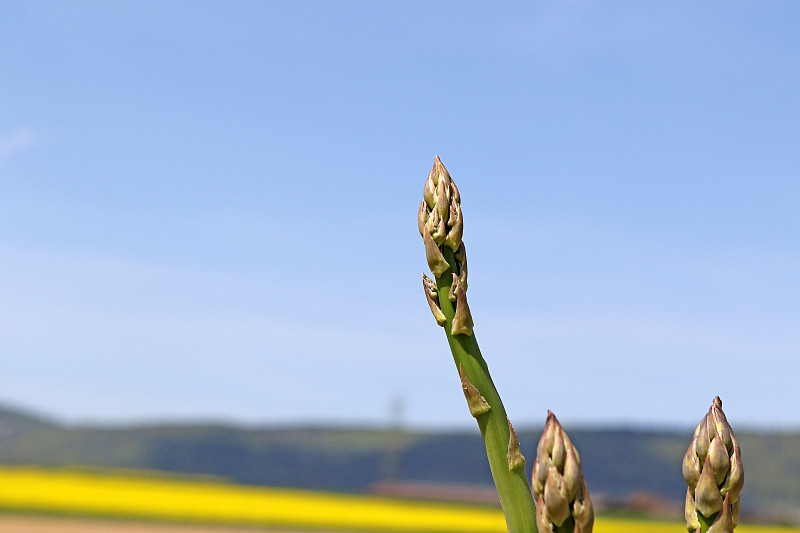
(441, 225)
(713, 471)
(562, 500)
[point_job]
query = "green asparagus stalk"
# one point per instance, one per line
(713, 471)
(562, 500)
(441, 226)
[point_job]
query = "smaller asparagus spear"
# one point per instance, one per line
(713, 471)
(562, 500)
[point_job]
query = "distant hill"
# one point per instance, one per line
(19, 421)
(617, 463)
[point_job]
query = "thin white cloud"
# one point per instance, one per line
(16, 141)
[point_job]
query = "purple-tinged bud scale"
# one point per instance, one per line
(477, 404)
(515, 457)
(431, 294)
(462, 321)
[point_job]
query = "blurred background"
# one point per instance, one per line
(208, 219)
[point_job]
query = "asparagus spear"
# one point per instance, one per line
(441, 226)
(713, 471)
(562, 501)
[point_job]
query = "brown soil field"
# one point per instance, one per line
(12, 523)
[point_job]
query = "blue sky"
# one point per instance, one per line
(208, 209)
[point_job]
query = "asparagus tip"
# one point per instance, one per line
(558, 482)
(713, 471)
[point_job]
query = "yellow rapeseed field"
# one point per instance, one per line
(197, 500)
